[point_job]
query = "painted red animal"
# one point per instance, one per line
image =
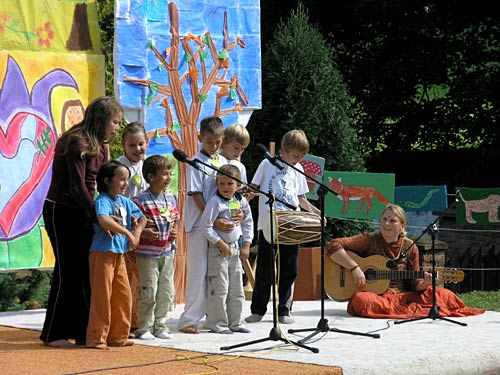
(348, 193)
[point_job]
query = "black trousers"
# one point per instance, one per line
(287, 269)
(70, 234)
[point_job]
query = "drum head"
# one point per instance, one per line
(266, 227)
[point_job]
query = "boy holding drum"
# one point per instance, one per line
(290, 186)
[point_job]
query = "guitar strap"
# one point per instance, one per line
(402, 254)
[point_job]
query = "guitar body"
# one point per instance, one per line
(340, 286)
(339, 283)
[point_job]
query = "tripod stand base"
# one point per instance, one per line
(274, 335)
(323, 327)
(433, 314)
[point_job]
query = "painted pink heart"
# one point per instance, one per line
(27, 145)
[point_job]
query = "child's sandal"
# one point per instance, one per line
(190, 329)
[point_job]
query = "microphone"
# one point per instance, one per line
(181, 156)
(262, 150)
(393, 263)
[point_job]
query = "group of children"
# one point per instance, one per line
(126, 285)
(132, 253)
(219, 228)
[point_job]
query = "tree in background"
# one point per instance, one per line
(302, 89)
(423, 72)
(425, 76)
(105, 14)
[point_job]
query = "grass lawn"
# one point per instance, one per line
(480, 299)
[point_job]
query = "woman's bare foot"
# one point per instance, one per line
(101, 347)
(121, 343)
(62, 343)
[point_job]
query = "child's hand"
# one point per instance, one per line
(224, 225)
(251, 195)
(245, 251)
(133, 240)
(135, 223)
(173, 235)
(237, 218)
(224, 248)
(150, 234)
(118, 219)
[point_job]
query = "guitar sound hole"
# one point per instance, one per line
(370, 275)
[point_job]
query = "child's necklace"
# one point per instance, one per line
(164, 208)
(214, 159)
(136, 178)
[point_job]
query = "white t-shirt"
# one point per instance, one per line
(200, 181)
(286, 185)
(136, 185)
(241, 167)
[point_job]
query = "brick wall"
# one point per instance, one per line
(462, 237)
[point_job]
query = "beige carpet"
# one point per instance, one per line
(22, 353)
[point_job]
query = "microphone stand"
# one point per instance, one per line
(193, 163)
(434, 310)
(274, 334)
(322, 325)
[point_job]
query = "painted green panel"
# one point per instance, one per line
(478, 206)
(358, 195)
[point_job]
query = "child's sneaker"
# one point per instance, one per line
(242, 330)
(164, 335)
(146, 336)
(254, 318)
(285, 319)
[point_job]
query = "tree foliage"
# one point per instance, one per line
(302, 89)
(24, 290)
(424, 74)
(105, 11)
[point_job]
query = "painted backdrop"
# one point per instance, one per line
(178, 62)
(50, 68)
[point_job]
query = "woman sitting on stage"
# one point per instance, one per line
(409, 298)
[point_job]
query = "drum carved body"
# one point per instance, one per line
(294, 227)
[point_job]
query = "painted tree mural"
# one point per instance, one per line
(205, 82)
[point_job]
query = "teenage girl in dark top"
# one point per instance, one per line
(69, 216)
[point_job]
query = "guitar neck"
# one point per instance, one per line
(373, 274)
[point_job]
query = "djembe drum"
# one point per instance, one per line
(293, 227)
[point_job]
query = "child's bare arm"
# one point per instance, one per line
(199, 201)
(109, 224)
(150, 231)
(141, 224)
(308, 206)
(245, 251)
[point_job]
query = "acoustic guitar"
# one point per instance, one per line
(339, 283)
